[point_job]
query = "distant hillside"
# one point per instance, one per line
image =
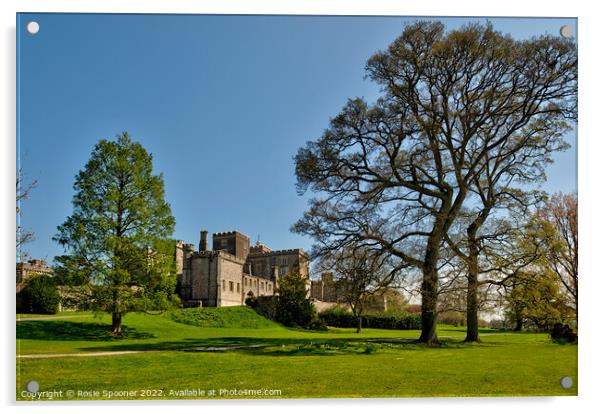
(225, 317)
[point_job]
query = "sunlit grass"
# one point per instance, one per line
(336, 363)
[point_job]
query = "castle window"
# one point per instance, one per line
(261, 285)
(238, 287)
(284, 261)
(231, 286)
(224, 242)
(246, 281)
(223, 285)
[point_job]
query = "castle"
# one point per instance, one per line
(233, 270)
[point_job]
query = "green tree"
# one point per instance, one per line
(117, 238)
(534, 297)
(293, 307)
(556, 229)
(42, 295)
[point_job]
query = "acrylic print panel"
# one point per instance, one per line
(219, 207)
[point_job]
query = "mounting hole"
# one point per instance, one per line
(566, 31)
(32, 386)
(566, 382)
(33, 27)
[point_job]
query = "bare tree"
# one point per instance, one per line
(22, 193)
(360, 275)
(396, 175)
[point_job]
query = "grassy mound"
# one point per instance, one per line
(226, 317)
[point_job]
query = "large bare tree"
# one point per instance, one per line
(395, 175)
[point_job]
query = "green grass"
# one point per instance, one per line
(337, 363)
(230, 317)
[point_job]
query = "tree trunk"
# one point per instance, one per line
(472, 315)
(116, 325)
(359, 324)
(429, 294)
(472, 300)
(519, 323)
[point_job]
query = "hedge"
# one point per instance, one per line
(341, 318)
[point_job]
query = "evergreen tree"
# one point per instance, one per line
(293, 306)
(118, 235)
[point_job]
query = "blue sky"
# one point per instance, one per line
(222, 102)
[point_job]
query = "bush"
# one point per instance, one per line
(452, 318)
(563, 334)
(317, 324)
(41, 295)
(291, 307)
(338, 317)
(341, 318)
(263, 305)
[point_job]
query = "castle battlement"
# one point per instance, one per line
(280, 252)
(230, 233)
(218, 253)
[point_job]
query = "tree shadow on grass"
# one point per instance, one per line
(57, 330)
(280, 346)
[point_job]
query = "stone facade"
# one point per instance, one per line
(326, 294)
(26, 270)
(32, 267)
(233, 271)
(325, 290)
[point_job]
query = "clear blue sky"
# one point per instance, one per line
(222, 102)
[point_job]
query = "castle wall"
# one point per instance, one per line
(257, 286)
(199, 277)
(286, 261)
(229, 281)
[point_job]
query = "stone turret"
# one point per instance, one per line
(203, 245)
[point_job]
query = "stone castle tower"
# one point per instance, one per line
(233, 270)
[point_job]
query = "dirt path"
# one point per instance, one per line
(87, 354)
(47, 318)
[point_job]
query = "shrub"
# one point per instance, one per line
(341, 318)
(563, 334)
(41, 295)
(317, 324)
(338, 317)
(263, 305)
(452, 318)
(291, 307)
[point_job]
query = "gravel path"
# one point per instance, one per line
(46, 318)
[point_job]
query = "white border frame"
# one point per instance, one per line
(589, 174)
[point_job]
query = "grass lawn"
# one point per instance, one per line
(337, 363)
